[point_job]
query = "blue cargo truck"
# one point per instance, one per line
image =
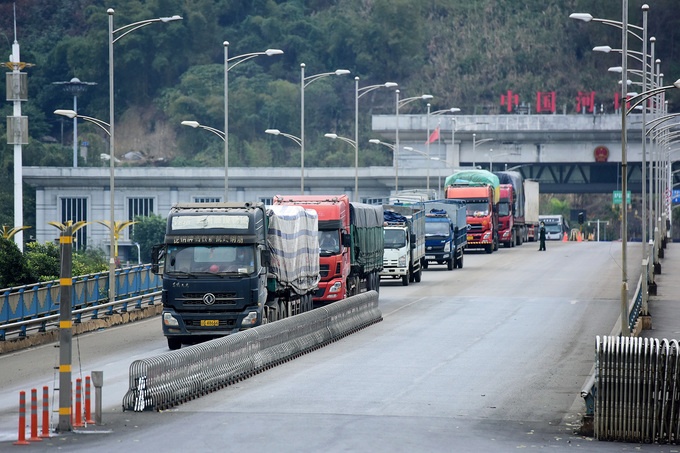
(445, 232)
(228, 267)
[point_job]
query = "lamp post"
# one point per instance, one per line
(356, 161)
(429, 113)
(476, 142)
(358, 92)
(297, 140)
(375, 141)
(75, 87)
(398, 104)
(237, 59)
(304, 82)
(114, 36)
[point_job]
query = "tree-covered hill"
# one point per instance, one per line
(466, 53)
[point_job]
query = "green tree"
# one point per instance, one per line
(43, 261)
(148, 231)
(15, 271)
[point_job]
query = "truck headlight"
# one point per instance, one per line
(402, 261)
(337, 286)
(170, 320)
(447, 247)
(249, 320)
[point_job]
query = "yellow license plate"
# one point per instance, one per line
(209, 323)
(470, 237)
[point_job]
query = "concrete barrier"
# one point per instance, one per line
(160, 382)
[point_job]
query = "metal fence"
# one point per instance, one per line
(36, 306)
(173, 378)
(637, 383)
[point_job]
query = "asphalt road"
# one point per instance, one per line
(490, 357)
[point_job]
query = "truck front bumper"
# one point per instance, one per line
(394, 271)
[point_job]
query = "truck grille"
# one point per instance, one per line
(323, 270)
(220, 299)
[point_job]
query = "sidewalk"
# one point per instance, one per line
(664, 308)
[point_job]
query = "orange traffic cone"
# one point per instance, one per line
(579, 237)
(565, 238)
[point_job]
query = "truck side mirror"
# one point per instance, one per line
(157, 257)
(413, 240)
(265, 258)
(346, 240)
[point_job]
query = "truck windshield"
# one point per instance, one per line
(476, 209)
(329, 243)
(395, 239)
(210, 259)
(553, 228)
(437, 228)
(503, 208)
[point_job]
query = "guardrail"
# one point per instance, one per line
(36, 306)
(161, 382)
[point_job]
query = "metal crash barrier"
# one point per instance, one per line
(638, 383)
(161, 382)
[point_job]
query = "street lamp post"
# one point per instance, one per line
(398, 104)
(358, 92)
(476, 142)
(297, 140)
(75, 87)
(356, 161)
(437, 112)
(304, 82)
(196, 124)
(237, 59)
(120, 32)
(375, 141)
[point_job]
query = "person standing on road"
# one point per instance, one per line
(541, 237)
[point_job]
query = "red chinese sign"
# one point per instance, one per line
(509, 101)
(545, 102)
(585, 101)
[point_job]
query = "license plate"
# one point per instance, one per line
(210, 323)
(429, 257)
(470, 237)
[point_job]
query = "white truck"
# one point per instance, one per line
(531, 192)
(404, 230)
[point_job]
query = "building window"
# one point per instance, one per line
(138, 207)
(267, 201)
(75, 210)
(207, 199)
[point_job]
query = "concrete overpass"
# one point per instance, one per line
(560, 151)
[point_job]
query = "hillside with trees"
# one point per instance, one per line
(466, 53)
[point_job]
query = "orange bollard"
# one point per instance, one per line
(88, 401)
(34, 417)
(45, 413)
(79, 404)
(22, 420)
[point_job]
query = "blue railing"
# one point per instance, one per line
(37, 303)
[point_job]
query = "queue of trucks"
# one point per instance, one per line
(228, 267)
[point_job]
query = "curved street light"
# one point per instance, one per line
(237, 60)
(358, 93)
(114, 36)
(304, 82)
(625, 31)
(375, 141)
(476, 142)
(399, 103)
(429, 114)
(73, 115)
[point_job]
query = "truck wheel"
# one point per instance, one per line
(418, 275)
(174, 343)
(425, 264)
(450, 264)
(404, 280)
(460, 261)
(488, 248)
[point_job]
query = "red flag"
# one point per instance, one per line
(434, 136)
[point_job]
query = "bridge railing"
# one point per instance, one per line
(36, 305)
